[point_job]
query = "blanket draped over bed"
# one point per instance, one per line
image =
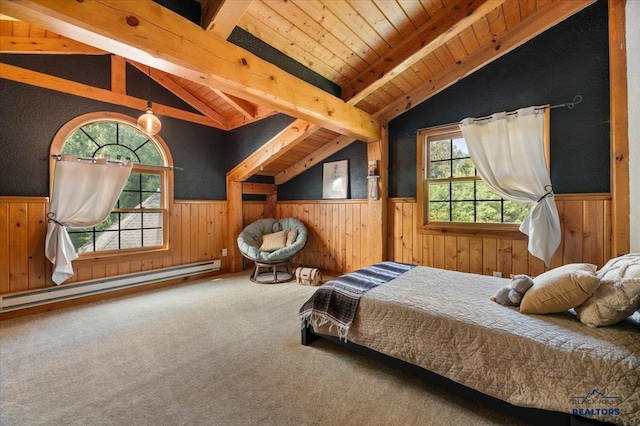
(336, 301)
(444, 322)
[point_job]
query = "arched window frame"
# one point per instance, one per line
(165, 172)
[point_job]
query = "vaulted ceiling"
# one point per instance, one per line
(386, 56)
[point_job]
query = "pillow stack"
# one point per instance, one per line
(618, 295)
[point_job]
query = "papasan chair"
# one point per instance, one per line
(270, 244)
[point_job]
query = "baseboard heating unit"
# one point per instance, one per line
(26, 299)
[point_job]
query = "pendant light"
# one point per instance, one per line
(148, 122)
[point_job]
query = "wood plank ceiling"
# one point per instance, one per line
(386, 56)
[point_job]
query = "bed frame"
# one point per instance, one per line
(530, 415)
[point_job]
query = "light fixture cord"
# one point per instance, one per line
(149, 87)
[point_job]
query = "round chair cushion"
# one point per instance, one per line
(250, 239)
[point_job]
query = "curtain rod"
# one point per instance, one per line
(576, 100)
(58, 157)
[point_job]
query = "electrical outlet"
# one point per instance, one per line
(224, 252)
(497, 274)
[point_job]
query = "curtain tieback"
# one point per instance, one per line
(51, 216)
(549, 193)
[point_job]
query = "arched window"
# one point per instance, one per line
(139, 220)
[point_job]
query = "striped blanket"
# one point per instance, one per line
(336, 301)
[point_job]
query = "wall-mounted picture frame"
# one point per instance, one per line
(335, 180)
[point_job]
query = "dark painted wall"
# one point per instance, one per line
(567, 60)
(31, 116)
(308, 185)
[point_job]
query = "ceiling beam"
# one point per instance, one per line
(148, 33)
(548, 16)
(314, 158)
(243, 107)
(33, 78)
(47, 46)
(118, 75)
(169, 84)
(220, 17)
(279, 145)
(446, 25)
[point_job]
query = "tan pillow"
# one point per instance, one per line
(273, 242)
(618, 295)
(560, 289)
(291, 236)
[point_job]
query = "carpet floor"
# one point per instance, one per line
(223, 351)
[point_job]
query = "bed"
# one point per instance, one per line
(444, 322)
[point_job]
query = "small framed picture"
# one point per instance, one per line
(335, 180)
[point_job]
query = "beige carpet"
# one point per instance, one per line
(217, 352)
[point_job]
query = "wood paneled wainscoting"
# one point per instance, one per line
(586, 237)
(198, 232)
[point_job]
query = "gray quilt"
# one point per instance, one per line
(444, 322)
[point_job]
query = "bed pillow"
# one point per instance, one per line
(273, 242)
(560, 289)
(291, 236)
(618, 295)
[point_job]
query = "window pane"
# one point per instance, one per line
(107, 240)
(484, 193)
(152, 237)
(129, 200)
(149, 155)
(515, 212)
(150, 182)
(133, 183)
(115, 152)
(439, 191)
(439, 212)
(489, 211)
(82, 241)
(111, 222)
(440, 150)
(151, 200)
(152, 220)
(79, 144)
(463, 167)
(462, 211)
(460, 149)
(440, 169)
(131, 239)
(462, 191)
(131, 221)
(102, 132)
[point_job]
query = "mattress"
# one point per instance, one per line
(445, 322)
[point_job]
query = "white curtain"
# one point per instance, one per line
(84, 193)
(508, 152)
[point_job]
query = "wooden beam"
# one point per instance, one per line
(620, 206)
(169, 84)
(377, 209)
(220, 17)
(153, 35)
(284, 141)
(118, 75)
(549, 15)
(234, 200)
(46, 45)
(33, 78)
(259, 188)
(445, 26)
(314, 158)
(243, 107)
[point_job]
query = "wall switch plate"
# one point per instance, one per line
(497, 274)
(224, 252)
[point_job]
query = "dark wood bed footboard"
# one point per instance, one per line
(532, 416)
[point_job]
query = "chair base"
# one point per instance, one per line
(273, 269)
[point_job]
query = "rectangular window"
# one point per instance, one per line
(451, 195)
(137, 220)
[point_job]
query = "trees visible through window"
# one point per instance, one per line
(451, 191)
(138, 220)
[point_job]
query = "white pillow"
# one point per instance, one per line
(618, 295)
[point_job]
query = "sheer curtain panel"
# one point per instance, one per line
(508, 152)
(84, 193)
